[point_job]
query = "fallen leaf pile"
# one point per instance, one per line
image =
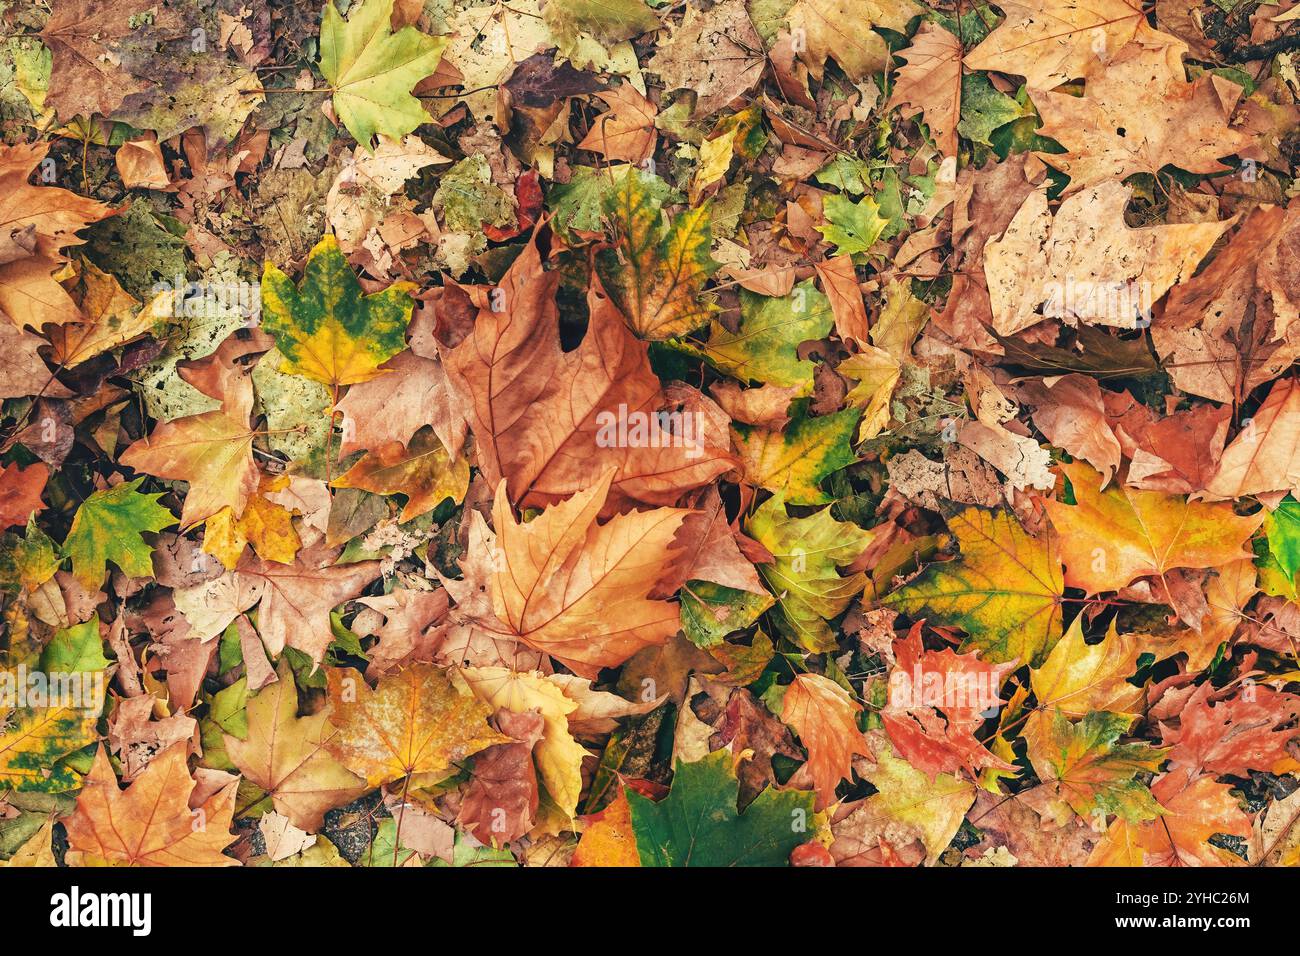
(729, 432)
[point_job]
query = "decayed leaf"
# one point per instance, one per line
(1084, 264)
(841, 30)
(934, 808)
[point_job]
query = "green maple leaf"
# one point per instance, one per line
(852, 227)
(1093, 773)
(1004, 591)
(804, 574)
(326, 329)
(765, 348)
(697, 823)
(107, 527)
(656, 271)
(795, 459)
(1279, 560)
(372, 69)
(75, 650)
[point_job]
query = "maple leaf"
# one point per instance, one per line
(1078, 678)
(962, 686)
(716, 53)
(804, 573)
(930, 82)
(107, 527)
(86, 40)
(1190, 816)
(34, 739)
(1084, 264)
(1233, 327)
(568, 404)
(1004, 591)
(578, 590)
(795, 460)
(29, 295)
(412, 392)
(853, 227)
(608, 838)
(765, 347)
(422, 471)
(1232, 736)
(1263, 457)
(627, 131)
(296, 598)
(326, 329)
(1090, 770)
(285, 756)
(934, 809)
(414, 722)
(112, 318)
(840, 29)
(1138, 114)
(1110, 539)
(696, 824)
(371, 69)
(655, 274)
(20, 492)
(151, 822)
(1051, 41)
(213, 451)
(825, 717)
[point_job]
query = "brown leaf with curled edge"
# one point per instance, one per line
(1139, 114)
(547, 421)
(1178, 454)
(151, 822)
(1249, 731)
(579, 590)
(1234, 327)
(627, 131)
(213, 451)
(931, 83)
(86, 39)
(285, 756)
(22, 370)
(500, 804)
(824, 716)
(20, 492)
(28, 293)
(1051, 41)
(1084, 264)
(296, 599)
